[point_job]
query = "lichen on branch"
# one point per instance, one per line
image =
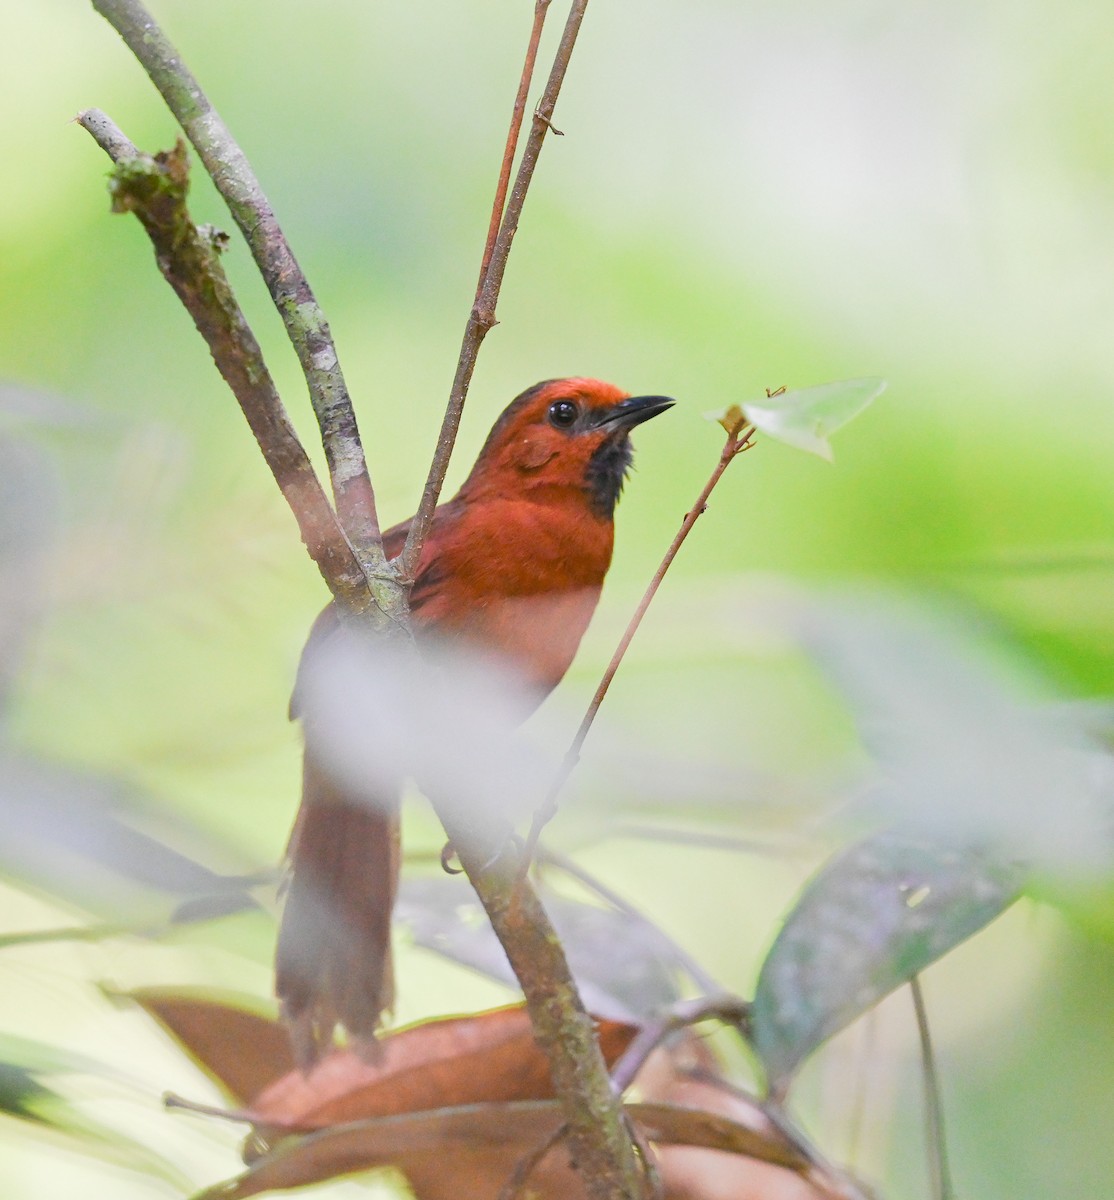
(155, 189)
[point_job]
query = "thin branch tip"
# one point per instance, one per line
(491, 278)
(738, 439)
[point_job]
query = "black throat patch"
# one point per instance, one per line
(607, 469)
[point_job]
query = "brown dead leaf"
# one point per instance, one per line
(457, 1104)
(241, 1049)
(490, 1057)
(472, 1151)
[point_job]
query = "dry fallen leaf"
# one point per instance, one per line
(457, 1104)
(241, 1049)
(472, 1151)
(487, 1058)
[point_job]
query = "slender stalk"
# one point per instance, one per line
(541, 7)
(730, 1010)
(155, 190)
(529, 1163)
(305, 322)
(482, 317)
(738, 440)
(939, 1171)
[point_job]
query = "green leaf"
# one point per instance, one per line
(873, 917)
(807, 417)
(25, 1097)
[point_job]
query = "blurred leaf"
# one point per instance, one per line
(71, 834)
(873, 917)
(449, 720)
(21, 1094)
(472, 1151)
(490, 1057)
(25, 1097)
(34, 411)
(806, 417)
(41, 1058)
(624, 968)
(971, 746)
(243, 1050)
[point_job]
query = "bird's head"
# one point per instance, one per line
(560, 434)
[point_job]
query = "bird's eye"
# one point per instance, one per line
(563, 413)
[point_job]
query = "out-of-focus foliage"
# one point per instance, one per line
(746, 196)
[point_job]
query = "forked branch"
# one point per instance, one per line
(305, 322)
(596, 1130)
(155, 190)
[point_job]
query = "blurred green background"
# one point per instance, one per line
(746, 195)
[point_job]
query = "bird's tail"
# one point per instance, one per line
(333, 961)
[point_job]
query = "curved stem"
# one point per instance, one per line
(738, 440)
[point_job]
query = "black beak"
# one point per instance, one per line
(634, 411)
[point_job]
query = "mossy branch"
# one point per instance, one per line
(155, 189)
(305, 322)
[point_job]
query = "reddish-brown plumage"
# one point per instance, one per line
(513, 565)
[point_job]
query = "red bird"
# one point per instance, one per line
(513, 565)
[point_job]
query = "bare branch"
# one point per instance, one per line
(155, 189)
(541, 7)
(738, 440)
(597, 1135)
(482, 316)
(565, 1032)
(305, 322)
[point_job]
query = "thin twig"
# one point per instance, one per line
(240, 1115)
(647, 1157)
(482, 317)
(541, 7)
(785, 847)
(305, 322)
(738, 440)
(529, 1163)
(939, 1172)
(731, 1010)
(155, 189)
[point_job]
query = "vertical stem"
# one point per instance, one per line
(482, 316)
(939, 1170)
(541, 7)
(598, 1139)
